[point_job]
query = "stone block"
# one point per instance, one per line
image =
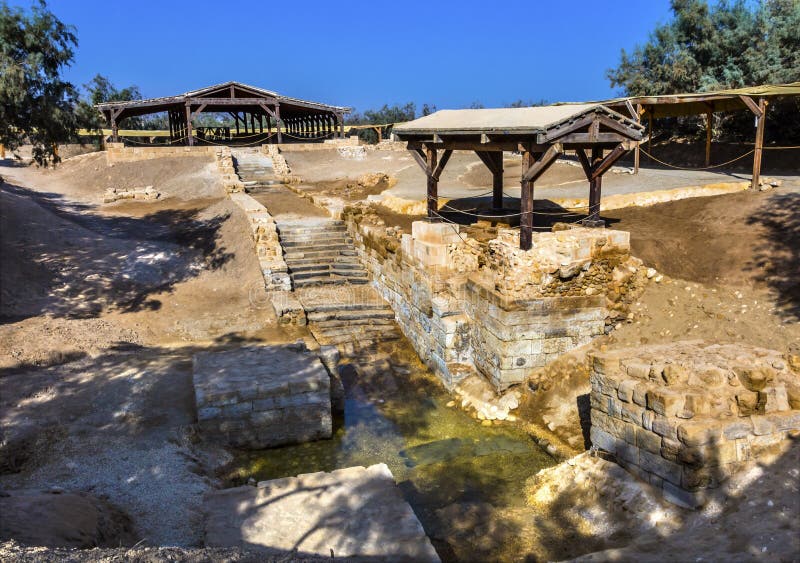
(654, 463)
(356, 513)
(435, 233)
(665, 401)
(287, 391)
(699, 433)
(603, 440)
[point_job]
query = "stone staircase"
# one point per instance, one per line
(320, 253)
(254, 168)
(353, 318)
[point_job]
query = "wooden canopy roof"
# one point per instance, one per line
(224, 97)
(700, 103)
(300, 119)
(540, 134)
(573, 126)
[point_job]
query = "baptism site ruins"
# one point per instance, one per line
(266, 331)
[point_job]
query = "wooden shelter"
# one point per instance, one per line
(257, 112)
(754, 99)
(541, 134)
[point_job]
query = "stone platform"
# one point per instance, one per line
(353, 513)
(262, 396)
(686, 416)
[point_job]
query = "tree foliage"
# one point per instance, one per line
(99, 90)
(730, 44)
(36, 104)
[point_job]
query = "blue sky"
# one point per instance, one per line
(362, 54)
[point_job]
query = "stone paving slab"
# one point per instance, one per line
(354, 513)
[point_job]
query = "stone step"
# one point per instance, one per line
(308, 229)
(336, 261)
(386, 322)
(329, 280)
(328, 267)
(319, 242)
(316, 254)
(350, 316)
(337, 307)
(348, 274)
(359, 339)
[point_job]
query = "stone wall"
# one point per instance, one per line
(260, 397)
(230, 179)
(685, 416)
(118, 152)
(279, 164)
(268, 246)
(470, 307)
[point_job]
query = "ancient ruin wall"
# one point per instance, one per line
(268, 245)
(685, 416)
(493, 309)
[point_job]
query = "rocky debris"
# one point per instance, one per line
(476, 393)
(355, 512)
(686, 416)
(58, 518)
(147, 193)
(352, 153)
(258, 397)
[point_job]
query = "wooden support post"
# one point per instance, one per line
(526, 204)
(433, 182)
(494, 162)
(189, 137)
(709, 118)
(636, 153)
(595, 186)
(278, 122)
(2, 151)
(761, 122)
(114, 128)
(650, 132)
(253, 122)
(340, 120)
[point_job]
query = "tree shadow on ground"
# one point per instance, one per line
(777, 258)
(67, 260)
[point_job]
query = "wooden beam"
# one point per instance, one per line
(585, 164)
(589, 138)
(232, 101)
(601, 167)
(755, 108)
(442, 163)
(759, 148)
(539, 167)
(198, 110)
(420, 157)
(631, 110)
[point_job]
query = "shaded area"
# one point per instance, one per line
(65, 259)
(776, 256)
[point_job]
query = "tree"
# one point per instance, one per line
(731, 44)
(99, 90)
(36, 104)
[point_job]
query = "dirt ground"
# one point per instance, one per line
(103, 305)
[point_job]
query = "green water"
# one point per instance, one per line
(439, 455)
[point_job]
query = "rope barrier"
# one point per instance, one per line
(790, 148)
(748, 153)
(325, 136)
